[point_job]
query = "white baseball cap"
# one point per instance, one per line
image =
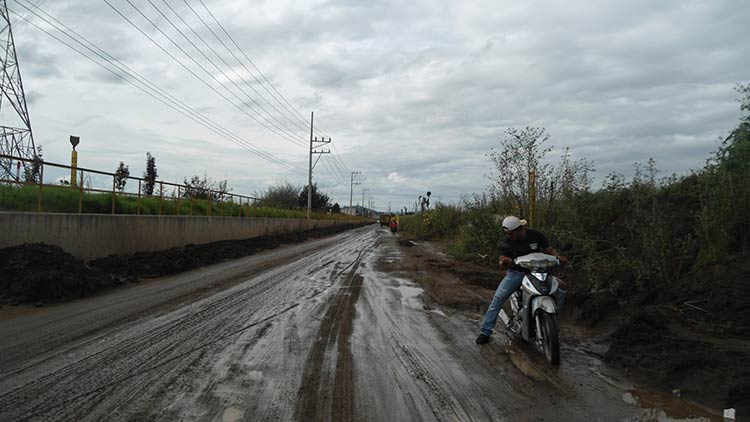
(511, 223)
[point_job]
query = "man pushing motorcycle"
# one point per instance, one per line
(520, 241)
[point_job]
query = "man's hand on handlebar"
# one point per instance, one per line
(505, 261)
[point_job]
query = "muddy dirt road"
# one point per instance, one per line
(333, 329)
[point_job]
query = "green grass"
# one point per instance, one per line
(61, 199)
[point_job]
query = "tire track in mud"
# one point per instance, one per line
(166, 345)
(159, 367)
(320, 397)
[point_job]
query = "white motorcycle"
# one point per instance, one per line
(533, 315)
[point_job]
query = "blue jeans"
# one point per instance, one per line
(508, 285)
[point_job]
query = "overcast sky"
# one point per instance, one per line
(414, 94)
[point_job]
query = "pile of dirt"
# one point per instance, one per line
(692, 336)
(658, 350)
(715, 296)
(185, 258)
(42, 273)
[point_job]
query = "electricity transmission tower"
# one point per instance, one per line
(15, 141)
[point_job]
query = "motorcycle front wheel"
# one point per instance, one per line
(550, 340)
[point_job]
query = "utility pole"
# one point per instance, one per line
(351, 191)
(363, 200)
(14, 141)
(313, 145)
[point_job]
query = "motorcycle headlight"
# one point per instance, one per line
(540, 276)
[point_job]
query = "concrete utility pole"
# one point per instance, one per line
(351, 191)
(313, 151)
(363, 200)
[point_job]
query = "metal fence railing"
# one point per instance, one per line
(213, 201)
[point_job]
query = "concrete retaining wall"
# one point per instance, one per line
(90, 236)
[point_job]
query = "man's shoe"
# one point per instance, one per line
(483, 339)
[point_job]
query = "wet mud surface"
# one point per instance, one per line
(622, 358)
(348, 327)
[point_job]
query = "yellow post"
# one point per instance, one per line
(532, 196)
(80, 195)
(74, 140)
(73, 166)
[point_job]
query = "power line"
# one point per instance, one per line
(275, 130)
(185, 66)
(169, 100)
(281, 126)
(339, 162)
(285, 104)
(302, 118)
(300, 123)
(333, 172)
(39, 3)
(343, 173)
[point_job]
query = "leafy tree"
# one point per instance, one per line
(150, 175)
(319, 199)
(283, 195)
(205, 188)
(520, 152)
(724, 213)
(32, 172)
(121, 176)
(744, 101)
(336, 208)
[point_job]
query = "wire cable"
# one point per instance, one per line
(281, 126)
(167, 99)
(294, 119)
(302, 118)
(185, 66)
(288, 105)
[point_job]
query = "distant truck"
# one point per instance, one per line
(385, 219)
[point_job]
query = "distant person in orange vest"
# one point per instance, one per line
(394, 225)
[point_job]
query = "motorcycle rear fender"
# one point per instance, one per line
(545, 303)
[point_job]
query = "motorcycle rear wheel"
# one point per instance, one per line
(550, 340)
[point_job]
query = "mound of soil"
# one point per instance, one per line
(716, 296)
(174, 260)
(42, 273)
(659, 351)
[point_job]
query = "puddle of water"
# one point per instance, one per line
(410, 296)
(439, 312)
(660, 407)
(231, 414)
